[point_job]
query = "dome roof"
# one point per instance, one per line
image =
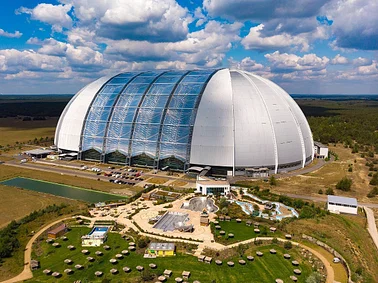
(222, 118)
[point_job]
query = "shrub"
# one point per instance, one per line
(288, 245)
(272, 181)
(373, 192)
(320, 192)
(314, 277)
(344, 184)
(307, 212)
(330, 191)
(374, 180)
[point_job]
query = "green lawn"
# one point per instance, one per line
(264, 269)
(241, 232)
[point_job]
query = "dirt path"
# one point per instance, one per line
(27, 273)
(372, 227)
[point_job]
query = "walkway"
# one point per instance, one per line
(27, 273)
(372, 227)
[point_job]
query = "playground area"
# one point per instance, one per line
(199, 204)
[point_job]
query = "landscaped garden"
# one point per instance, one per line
(231, 231)
(262, 269)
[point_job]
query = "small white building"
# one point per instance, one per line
(207, 186)
(320, 150)
(338, 204)
(96, 237)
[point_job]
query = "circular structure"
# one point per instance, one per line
(227, 119)
(218, 262)
(250, 258)
(230, 263)
(126, 269)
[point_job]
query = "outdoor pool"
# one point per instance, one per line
(60, 190)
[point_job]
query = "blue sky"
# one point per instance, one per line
(306, 46)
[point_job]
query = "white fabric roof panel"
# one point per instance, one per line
(242, 121)
(71, 122)
(212, 141)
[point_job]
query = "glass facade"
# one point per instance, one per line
(145, 118)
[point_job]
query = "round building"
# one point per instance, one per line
(231, 120)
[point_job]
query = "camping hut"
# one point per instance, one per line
(57, 232)
(98, 273)
(186, 274)
(34, 264)
(113, 271)
(167, 273)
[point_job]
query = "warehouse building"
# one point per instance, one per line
(227, 119)
(338, 204)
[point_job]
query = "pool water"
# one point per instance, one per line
(60, 190)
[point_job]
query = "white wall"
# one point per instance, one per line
(342, 209)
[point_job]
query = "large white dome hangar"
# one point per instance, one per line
(231, 120)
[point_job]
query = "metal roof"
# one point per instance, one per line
(342, 200)
(319, 144)
(162, 246)
(38, 151)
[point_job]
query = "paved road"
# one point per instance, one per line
(324, 199)
(27, 273)
(72, 172)
(372, 227)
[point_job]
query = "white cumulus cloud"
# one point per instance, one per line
(16, 34)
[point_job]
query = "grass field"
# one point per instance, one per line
(10, 267)
(241, 232)
(347, 235)
(17, 203)
(157, 180)
(264, 269)
(13, 130)
(179, 183)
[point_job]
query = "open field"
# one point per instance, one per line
(264, 269)
(241, 232)
(15, 130)
(327, 177)
(347, 235)
(17, 203)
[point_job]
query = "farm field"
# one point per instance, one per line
(17, 203)
(264, 269)
(15, 130)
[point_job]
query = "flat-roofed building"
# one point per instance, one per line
(38, 153)
(161, 249)
(96, 237)
(338, 204)
(321, 150)
(207, 186)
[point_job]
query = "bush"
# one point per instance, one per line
(374, 180)
(320, 192)
(288, 245)
(272, 181)
(373, 192)
(307, 212)
(314, 277)
(344, 184)
(330, 191)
